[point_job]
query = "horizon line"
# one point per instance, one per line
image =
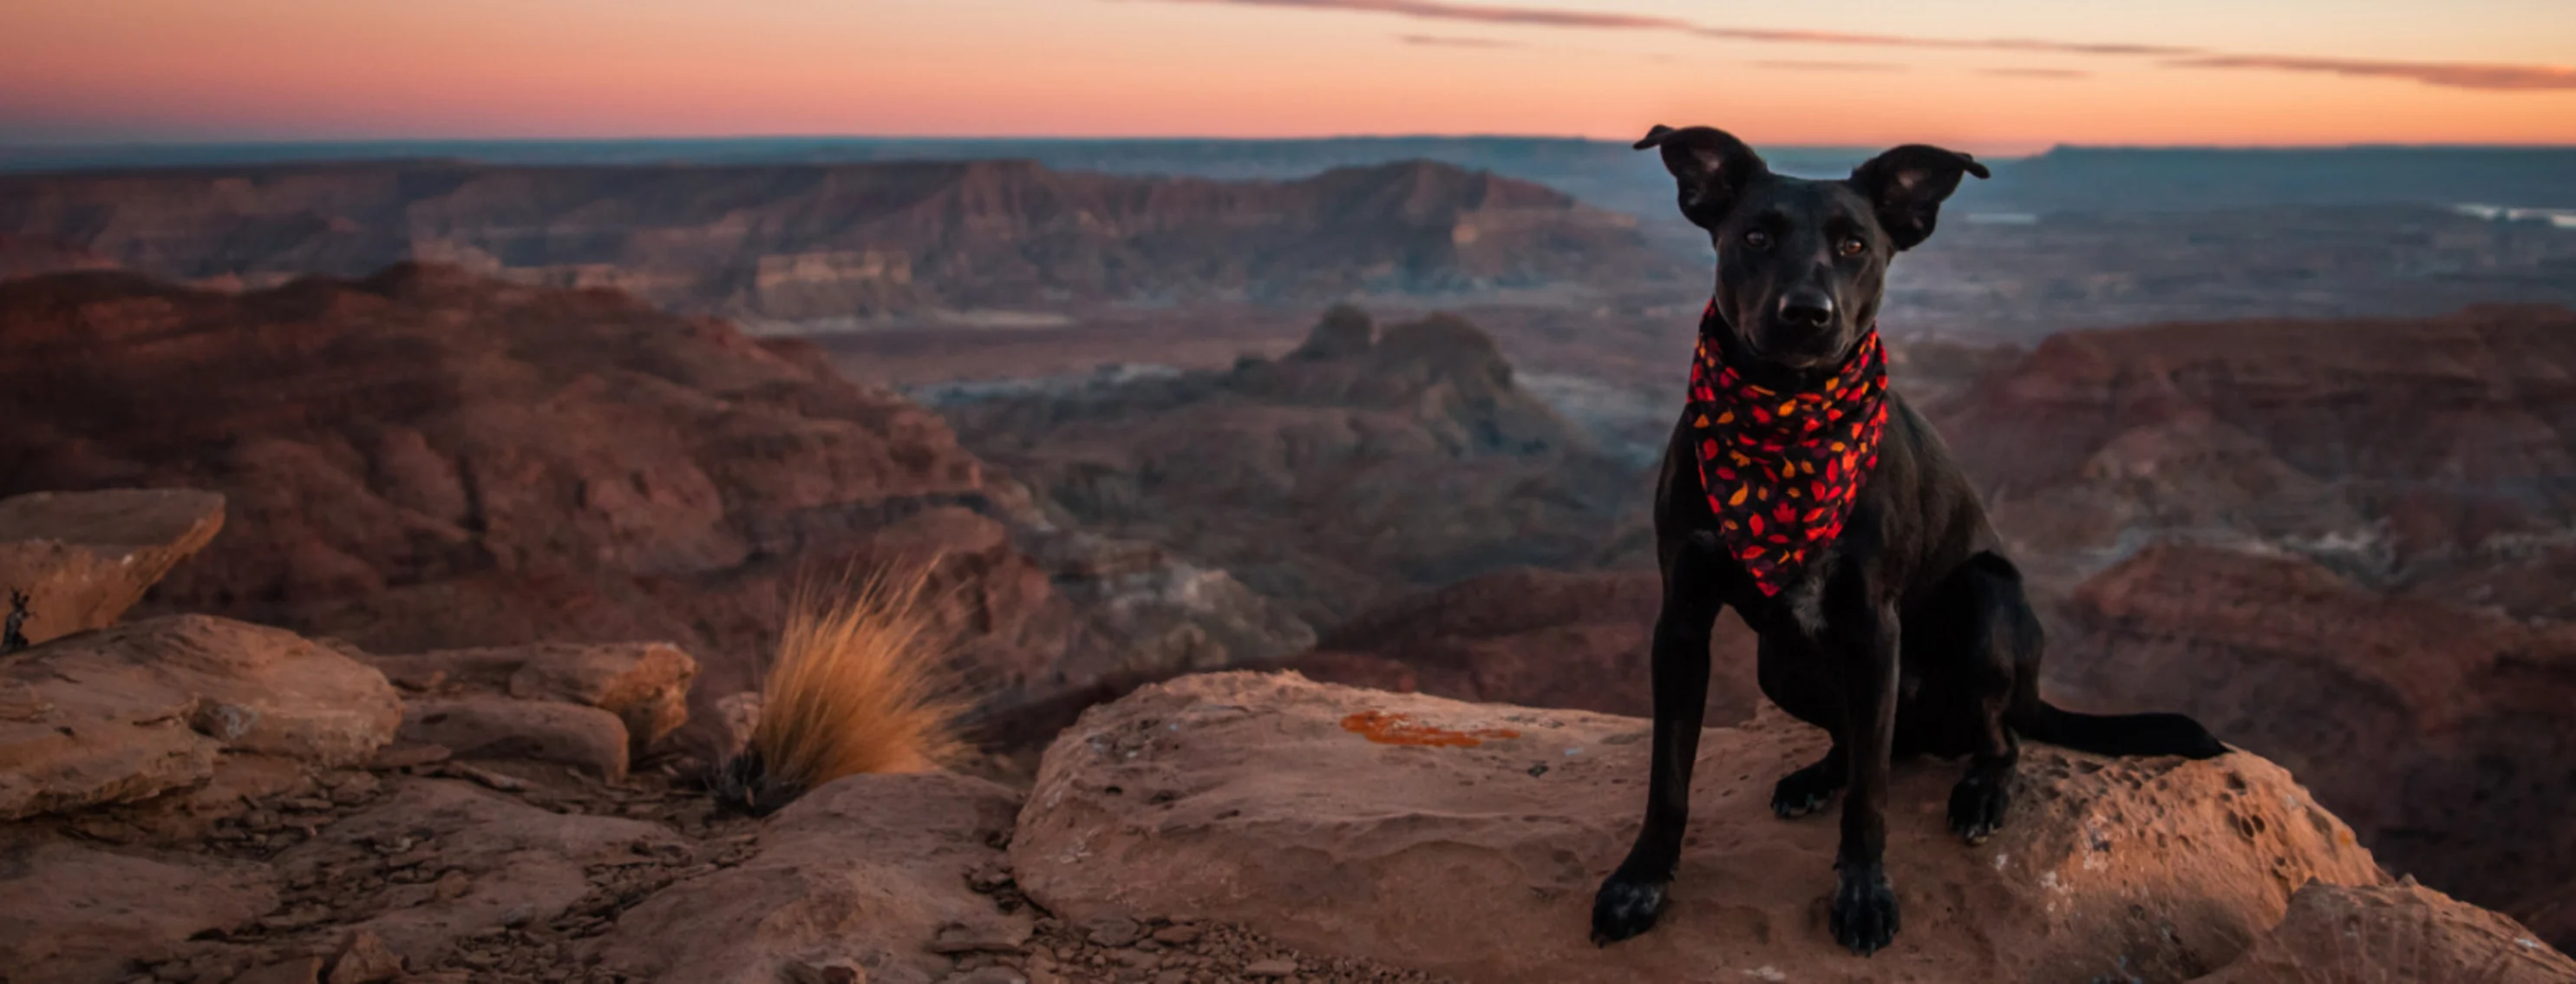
(2044, 146)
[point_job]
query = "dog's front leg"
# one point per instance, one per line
(1863, 914)
(1633, 896)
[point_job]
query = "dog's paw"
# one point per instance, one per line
(1804, 791)
(1863, 916)
(1625, 907)
(1977, 806)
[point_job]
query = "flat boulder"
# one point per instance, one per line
(541, 730)
(83, 558)
(870, 872)
(2394, 934)
(1467, 840)
(133, 710)
(645, 684)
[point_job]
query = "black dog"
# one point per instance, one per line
(1897, 627)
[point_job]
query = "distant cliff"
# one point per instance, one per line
(821, 242)
(1363, 464)
(428, 459)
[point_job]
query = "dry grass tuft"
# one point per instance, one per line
(860, 683)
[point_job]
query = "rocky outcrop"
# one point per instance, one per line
(28, 256)
(1363, 465)
(2393, 934)
(2438, 731)
(497, 862)
(644, 684)
(1467, 840)
(827, 242)
(861, 873)
(132, 711)
(83, 558)
(2405, 452)
(431, 460)
(537, 730)
(1579, 641)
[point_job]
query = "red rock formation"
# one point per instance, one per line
(82, 558)
(28, 256)
(1264, 800)
(2408, 450)
(2440, 732)
(799, 242)
(1359, 466)
(2393, 934)
(427, 460)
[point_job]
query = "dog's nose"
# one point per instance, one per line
(1807, 308)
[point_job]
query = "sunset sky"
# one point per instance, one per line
(2000, 76)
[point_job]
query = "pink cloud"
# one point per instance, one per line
(2511, 78)
(2461, 75)
(1438, 41)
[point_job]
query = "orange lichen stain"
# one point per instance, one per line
(1389, 728)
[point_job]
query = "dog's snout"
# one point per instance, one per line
(1807, 308)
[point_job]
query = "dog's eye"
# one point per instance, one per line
(1851, 246)
(1758, 239)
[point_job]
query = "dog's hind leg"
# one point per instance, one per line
(1790, 676)
(1807, 790)
(1999, 640)
(1633, 896)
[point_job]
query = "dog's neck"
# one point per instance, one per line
(1782, 464)
(1717, 331)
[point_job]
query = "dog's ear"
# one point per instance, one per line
(1710, 166)
(1907, 186)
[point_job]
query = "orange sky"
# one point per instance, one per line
(2272, 72)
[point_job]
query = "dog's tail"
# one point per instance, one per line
(1993, 587)
(2113, 734)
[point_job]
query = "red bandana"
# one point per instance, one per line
(1783, 469)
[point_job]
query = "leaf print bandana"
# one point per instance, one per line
(1782, 469)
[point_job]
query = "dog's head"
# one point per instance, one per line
(1802, 265)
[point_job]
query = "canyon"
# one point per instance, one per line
(1383, 434)
(844, 245)
(429, 459)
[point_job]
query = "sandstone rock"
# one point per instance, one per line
(804, 973)
(1334, 479)
(906, 235)
(502, 727)
(862, 872)
(737, 718)
(1532, 637)
(142, 707)
(75, 913)
(2409, 448)
(983, 936)
(634, 475)
(1319, 816)
(504, 860)
(28, 256)
(297, 970)
(2437, 730)
(2394, 934)
(83, 558)
(646, 684)
(366, 960)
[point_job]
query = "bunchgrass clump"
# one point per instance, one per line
(860, 683)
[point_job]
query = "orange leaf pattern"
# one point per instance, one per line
(1752, 440)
